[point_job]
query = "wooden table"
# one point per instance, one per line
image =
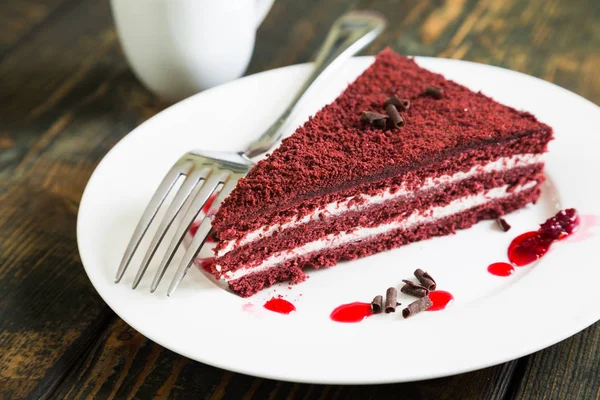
(67, 97)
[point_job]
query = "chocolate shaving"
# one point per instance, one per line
(396, 120)
(391, 297)
(401, 104)
(503, 224)
(377, 304)
(413, 289)
(425, 279)
(374, 118)
(416, 307)
(434, 91)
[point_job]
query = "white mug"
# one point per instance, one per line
(180, 47)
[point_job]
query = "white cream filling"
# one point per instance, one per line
(361, 233)
(342, 206)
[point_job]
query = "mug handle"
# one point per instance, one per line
(262, 9)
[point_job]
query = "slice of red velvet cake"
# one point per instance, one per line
(348, 184)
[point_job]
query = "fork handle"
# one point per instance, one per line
(349, 34)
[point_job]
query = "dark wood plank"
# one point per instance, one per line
(21, 20)
(67, 97)
(556, 40)
(293, 31)
(568, 370)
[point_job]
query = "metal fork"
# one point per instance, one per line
(208, 172)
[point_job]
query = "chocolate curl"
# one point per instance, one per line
(377, 304)
(374, 118)
(391, 297)
(503, 224)
(434, 91)
(413, 289)
(396, 119)
(425, 279)
(401, 104)
(416, 307)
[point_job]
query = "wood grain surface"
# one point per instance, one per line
(67, 96)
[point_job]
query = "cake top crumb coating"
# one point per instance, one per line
(334, 147)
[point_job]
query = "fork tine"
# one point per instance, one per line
(192, 181)
(180, 231)
(200, 237)
(182, 166)
(193, 209)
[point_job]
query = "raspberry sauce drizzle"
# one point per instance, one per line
(196, 224)
(527, 248)
(501, 269)
(440, 299)
(205, 263)
(208, 203)
(587, 223)
(279, 305)
(531, 246)
(194, 228)
(351, 312)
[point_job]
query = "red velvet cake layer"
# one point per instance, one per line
(256, 251)
(458, 159)
(293, 270)
(335, 151)
(257, 217)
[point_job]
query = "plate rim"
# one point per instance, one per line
(281, 376)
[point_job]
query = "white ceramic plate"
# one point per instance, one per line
(492, 319)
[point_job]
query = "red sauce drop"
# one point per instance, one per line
(352, 312)
(194, 228)
(440, 299)
(563, 224)
(279, 305)
(501, 269)
(209, 202)
(205, 263)
(527, 248)
(531, 246)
